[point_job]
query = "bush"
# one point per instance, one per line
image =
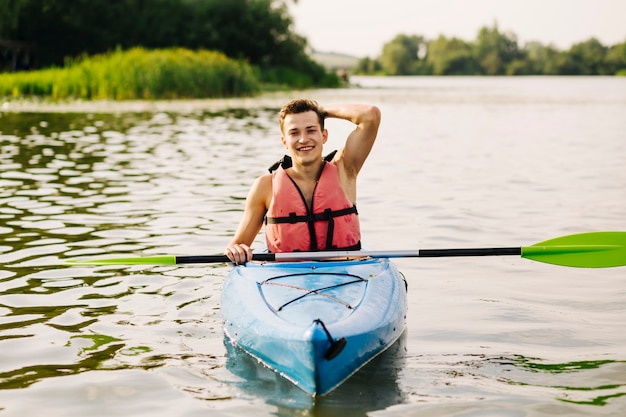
(138, 74)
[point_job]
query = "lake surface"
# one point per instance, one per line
(459, 162)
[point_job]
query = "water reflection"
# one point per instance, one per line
(374, 387)
(116, 182)
(90, 184)
(573, 383)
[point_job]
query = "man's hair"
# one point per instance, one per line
(301, 105)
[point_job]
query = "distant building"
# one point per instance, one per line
(334, 61)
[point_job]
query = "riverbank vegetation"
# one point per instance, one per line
(492, 53)
(125, 49)
(138, 74)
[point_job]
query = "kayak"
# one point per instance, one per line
(314, 323)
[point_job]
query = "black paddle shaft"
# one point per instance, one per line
(423, 253)
(208, 259)
(433, 253)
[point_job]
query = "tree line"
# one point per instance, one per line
(257, 31)
(492, 53)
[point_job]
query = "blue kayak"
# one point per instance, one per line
(315, 323)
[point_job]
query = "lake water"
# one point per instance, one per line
(459, 162)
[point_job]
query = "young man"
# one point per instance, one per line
(308, 203)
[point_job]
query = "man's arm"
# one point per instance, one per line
(238, 250)
(360, 141)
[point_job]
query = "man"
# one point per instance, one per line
(308, 202)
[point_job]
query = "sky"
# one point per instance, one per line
(361, 27)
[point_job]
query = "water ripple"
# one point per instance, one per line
(495, 163)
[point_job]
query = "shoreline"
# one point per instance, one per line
(272, 99)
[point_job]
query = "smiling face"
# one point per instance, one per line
(303, 137)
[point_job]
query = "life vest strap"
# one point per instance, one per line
(286, 161)
(326, 215)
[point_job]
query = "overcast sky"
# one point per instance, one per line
(362, 27)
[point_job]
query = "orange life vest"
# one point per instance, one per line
(332, 224)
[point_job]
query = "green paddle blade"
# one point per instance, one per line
(144, 260)
(583, 250)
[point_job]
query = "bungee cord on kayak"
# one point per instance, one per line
(309, 291)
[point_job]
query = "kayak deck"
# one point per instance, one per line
(315, 323)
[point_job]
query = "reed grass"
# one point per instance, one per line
(138, 74)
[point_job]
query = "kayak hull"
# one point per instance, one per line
(315, 323)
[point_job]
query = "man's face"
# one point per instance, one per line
(303, 136)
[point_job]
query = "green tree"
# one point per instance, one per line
(615, 59)
(368, 65)
(257, 30)
(451, 56)
(495, 50)
(519, 67)
(9, 11)
(538, 59)
(586, 58)
(402, 56)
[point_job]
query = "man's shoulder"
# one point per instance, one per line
(264, 180)
(261, 191)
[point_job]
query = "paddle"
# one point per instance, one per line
(583, 250)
